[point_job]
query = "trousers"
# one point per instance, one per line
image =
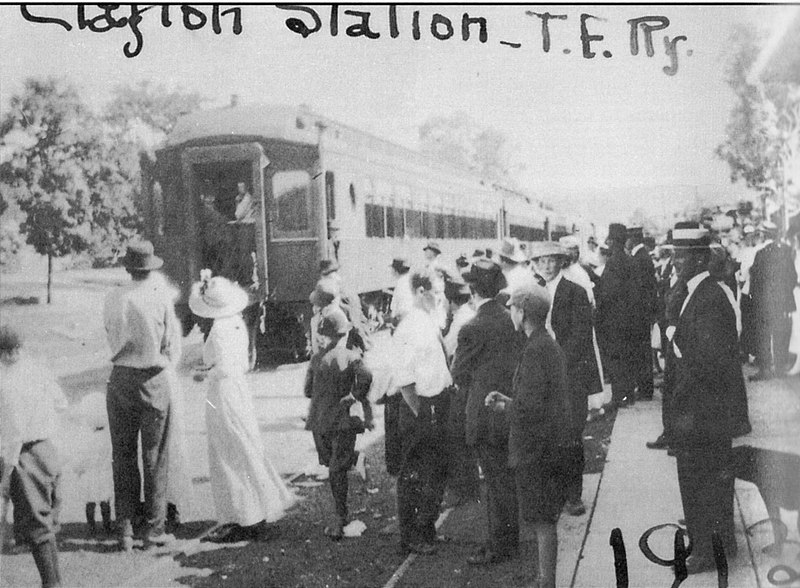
(34, 492)
(138, 404)
(501, 498)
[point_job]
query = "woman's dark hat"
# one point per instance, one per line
(328, 266)
(400, 265)
(140, 257)
(487, 275)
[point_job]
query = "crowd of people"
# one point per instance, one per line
(495, 362)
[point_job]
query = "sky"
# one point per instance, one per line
(602, 135)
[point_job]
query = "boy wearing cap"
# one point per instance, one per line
(145, 339)
(30, 468)
(336, 380)
(541, 425)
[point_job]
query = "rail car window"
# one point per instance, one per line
(330, 198)
(374, 220)
(414, 224)
(290, 190)
(394, 221)
(439, 224)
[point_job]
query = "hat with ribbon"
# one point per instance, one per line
(328, 266)
(546, 248)
(217, 297)
(690, 235)
(569, 242)
(140, 257)
(433, 246)
(511, 250)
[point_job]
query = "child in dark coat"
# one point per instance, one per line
(337, 383)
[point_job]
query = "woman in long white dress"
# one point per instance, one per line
(248, 491)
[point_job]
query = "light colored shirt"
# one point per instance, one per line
(461, 317)
(402, 296)
(246, 210)
(419, 355)
(551, 289)
(30, 403)
(691, 286)
(141, 326)
(736, 310)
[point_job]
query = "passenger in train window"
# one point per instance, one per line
(245, 205)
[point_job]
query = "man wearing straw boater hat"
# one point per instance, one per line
(708, 400)
(145, 337)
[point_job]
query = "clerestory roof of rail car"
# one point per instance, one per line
(300, 125)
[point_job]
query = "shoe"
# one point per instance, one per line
(487, 557)
(660, 443)
(575, 508)
(261, 531)
(418, 548)
(697, 564)
(158, 540)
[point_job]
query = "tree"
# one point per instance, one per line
(762, 132)
(62, 168)
(460, 141)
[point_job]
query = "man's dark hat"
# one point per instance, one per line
(140, 257)
(328, 266)
(487, 274)
(456, 289)
(462, 261)
(400, 265)
(478, 253)
(617, 232)
(433, 246)
(635, 233)
(690, 235)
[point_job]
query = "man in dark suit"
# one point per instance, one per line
(709, 403)
(570, 318)
(772, 281)
(646, 310)
(484, 361)
(615, 323)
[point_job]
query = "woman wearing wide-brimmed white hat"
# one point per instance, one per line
(248, 491)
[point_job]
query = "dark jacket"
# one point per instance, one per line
(332, 375)
(540, 414)
(571, 320)
(772, 280)
(614, 321)
(484, 361)
(644, 275)
(709, 399)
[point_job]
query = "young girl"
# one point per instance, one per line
(248, 491)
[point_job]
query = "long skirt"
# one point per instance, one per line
(246, 487)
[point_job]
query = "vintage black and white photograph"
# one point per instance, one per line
(400, 295)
